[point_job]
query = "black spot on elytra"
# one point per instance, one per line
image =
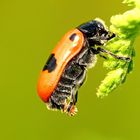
(50, 64)
(72, 37)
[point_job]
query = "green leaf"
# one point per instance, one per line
(127, 27)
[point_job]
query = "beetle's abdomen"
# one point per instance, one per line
(67, 88)
(72, 78)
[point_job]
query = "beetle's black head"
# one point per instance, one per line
(96, 32)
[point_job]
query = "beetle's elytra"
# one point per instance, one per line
(66, 68)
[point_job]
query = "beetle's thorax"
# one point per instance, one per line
(95, 32)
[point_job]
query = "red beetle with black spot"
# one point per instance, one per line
(65, 70)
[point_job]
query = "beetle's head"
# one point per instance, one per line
(96, 32)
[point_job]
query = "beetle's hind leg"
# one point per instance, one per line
(71, 108)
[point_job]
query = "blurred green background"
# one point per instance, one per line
(29, 29)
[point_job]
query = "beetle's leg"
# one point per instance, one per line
(72, 110)
(75, 98)
(102, 56)
(80, 60)
(87, 59)
(99, 49)
(74, 93)
(95, 51)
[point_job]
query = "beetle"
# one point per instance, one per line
(65, 70)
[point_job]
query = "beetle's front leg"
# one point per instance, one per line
(99, 49)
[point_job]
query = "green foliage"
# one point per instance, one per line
(127, 27)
